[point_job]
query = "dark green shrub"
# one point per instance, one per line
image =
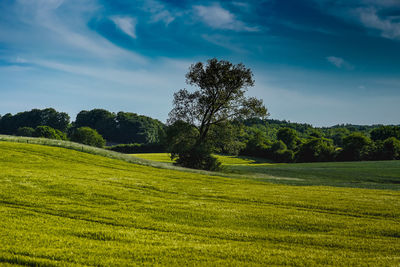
(48, 132)
(25, 131)
(288, 136)
(286, 156)
(198, 157)
(385, 132)
(87, 136)
(138, 148)
(356, 146)
(391, 148)
(316, 150)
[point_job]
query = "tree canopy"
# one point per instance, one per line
(123, 127)
(220, 97)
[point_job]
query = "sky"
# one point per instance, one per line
(322, 62)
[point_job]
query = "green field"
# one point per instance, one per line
(63, 207)
(225, 160)
(366, 174)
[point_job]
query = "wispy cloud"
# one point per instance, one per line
(388, 27)
(223, 41)
(64, 26)
(219, 18)
(368, 13)
(159, 12)
(340, 63)
(126, 24)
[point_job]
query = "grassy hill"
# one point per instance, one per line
(63, 207)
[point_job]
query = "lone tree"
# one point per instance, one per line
(220, 97)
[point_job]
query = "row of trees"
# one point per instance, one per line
(123, 127)
(289, 147)
(9, 124)
(83, 135)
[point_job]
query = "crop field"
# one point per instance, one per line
(225, 160)
(366, 174)
(64, 207)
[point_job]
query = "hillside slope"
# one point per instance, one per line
(64, 207)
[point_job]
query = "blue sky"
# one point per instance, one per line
(322, 62)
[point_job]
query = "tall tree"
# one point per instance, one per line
(220, 97)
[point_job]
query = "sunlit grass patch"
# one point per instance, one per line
(224, 159)
(159, 157)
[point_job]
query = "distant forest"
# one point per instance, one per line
(279, 141)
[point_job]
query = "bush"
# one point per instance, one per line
(48, 132)
(384, 132)
(87, 136)
(138, 148)
(391, 148)
(288, 136)
(286, 156)
(356, 146)
(316, 150)
(198, 157)
(25, 131)
(181, 139)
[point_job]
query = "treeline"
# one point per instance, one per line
(303, 143)
(121, 127)
(92, 127)
(279, 141)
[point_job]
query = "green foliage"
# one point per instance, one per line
(286, 155)
(391, 148)
(25, 131)
(384, 132)
(103, 121)
(197, 157)
(124, 127)
(181, 138)
(87, 136)
(315, 133)
(337, 135)
(9, 124)
(48, 132)
(289, 137)
(315, 150)
(220, 97)
(226, 138)
(355, 147)
(133, 128)
(278, 152)
(138, 148)
(257, 145)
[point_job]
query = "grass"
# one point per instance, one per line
(158, 157)
(366, 174)
(63, 207)
(225, 160)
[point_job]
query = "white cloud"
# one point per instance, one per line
(126, 24)
(223, 41)
(339, 63)
(159, 12)
(64, 26)
(366, 13)
(219, 18)
(370, 19)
